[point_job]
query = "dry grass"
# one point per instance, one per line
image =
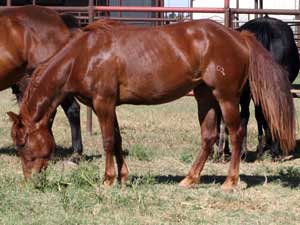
(162, 141)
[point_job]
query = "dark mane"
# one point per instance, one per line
(70, 20)
(107, 24)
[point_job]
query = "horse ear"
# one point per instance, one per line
(18, 132)
(14, 117)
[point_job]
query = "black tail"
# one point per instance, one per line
(70, 20)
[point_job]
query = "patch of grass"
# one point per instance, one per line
(186, 157)
(140, 152)
(163, 142)
(297, 80)
(289, 172)
(85, 176)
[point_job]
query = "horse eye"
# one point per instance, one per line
(20, 147)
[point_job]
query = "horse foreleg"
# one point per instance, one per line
(261, 140)
(105, 110)
(18, 89)
(245, 114)
(222, 138)
(122, 167)
(270, 143)
(72, 111)
(208, 114)
(17, 92)
(231, 115)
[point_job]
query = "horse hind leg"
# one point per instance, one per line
(244, 114)
(72, 111)
(208, 112)
(231, 115)
(121, 165)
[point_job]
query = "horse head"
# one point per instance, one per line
(34, 145)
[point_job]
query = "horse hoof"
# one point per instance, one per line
(188, 182)
(76, 158)
(108, 183)
(227, 188)
(230, 185)
(123, 180)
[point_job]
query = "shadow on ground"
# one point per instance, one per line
(250, 180)
(61, 153)
(252, 156)
(8, 150)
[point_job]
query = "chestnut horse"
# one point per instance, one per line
(106, 66)
(30, 35)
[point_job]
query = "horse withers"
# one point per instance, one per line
(106, 66)
(30, 35)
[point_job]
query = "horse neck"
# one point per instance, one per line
(41, 98)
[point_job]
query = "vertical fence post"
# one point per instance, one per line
(120, 4)
(256, 7)
(227, 13)
(191, 5)
(261, 6)
(237, 16)
(89, 110)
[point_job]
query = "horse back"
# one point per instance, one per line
(148, 65)
(39, 31)
(30, 35)
(167, 62)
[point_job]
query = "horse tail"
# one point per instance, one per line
(270, 88)
(70, 20)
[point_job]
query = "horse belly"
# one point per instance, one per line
(156, 89)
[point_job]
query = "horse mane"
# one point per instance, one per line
(262, 28)
(70, 20)
(106, 24)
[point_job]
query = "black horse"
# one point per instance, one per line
(277, 37)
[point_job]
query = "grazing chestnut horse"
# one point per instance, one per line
(30, 35)
(106, 66)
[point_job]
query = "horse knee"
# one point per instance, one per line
(108, 145)
(209, 138)
(238, 136)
